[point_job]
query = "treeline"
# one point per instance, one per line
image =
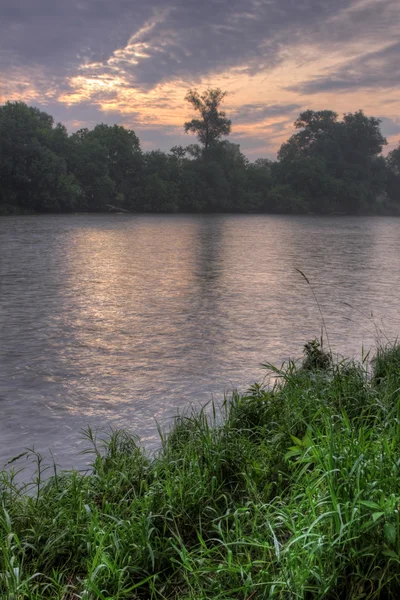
(330, 165)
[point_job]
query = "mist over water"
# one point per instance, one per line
(118, 321)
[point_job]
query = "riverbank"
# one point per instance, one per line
(392, 211)
(294, 493)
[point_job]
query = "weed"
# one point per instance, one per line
(291, 492)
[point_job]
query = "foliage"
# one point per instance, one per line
(107, 164)
(393, 168)
(213, 122)
(293, 491)
(315, 357)
(394, 160)
(33, 168)
(335, 163)
(387, 367)
(329, 165)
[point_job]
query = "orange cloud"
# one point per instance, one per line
(110, 86)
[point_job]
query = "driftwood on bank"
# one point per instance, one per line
(117, 208)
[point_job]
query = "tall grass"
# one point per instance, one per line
(294, 492)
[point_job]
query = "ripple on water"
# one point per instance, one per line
(116, 322)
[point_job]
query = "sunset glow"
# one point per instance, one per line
(135, 66)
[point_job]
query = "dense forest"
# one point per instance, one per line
(330, 165)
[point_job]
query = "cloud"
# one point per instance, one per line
(379, 70)
(131, 62)
(151, 42)
(390, 127)
(60, 34)
(256, 113)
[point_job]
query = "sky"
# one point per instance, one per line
(131, 62)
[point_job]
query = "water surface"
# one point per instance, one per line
(119, 321)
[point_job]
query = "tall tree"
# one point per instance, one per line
(328, 165)
(213, 122)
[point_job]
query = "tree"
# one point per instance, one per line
(33, 168)
(364, 139)
(108, 164)
(179, 152)
(259, 183)
(393, 160)
(316, 128)
(393, 172)
(328, 165)
(89, 162)
(335, 164)
(213, 122)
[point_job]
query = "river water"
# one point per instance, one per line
(122, 321)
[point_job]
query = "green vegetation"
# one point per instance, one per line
(328, 166)
(213, 123)
(293, 492)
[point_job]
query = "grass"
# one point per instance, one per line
(293, 492)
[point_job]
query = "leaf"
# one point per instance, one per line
(376, 516)
(16, 458)
(293, 451)
(390, 554)
(369, 504)
(307, 440)
(296, 440)
(390, 532)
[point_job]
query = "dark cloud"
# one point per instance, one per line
(143, 43)
(185, 37)
(255, 113)
(194, 38)
(371, 21)
(372, 70)
(57, 34)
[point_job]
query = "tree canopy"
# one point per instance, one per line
(330, 164)
(335, 164)
(213, 122)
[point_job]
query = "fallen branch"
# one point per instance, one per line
(111, 207)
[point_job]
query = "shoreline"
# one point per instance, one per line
(296, 490)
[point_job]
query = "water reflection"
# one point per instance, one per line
(115, 321)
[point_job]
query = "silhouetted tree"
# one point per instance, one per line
(329, 165)
(213, 122)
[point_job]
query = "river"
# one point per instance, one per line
(124, 320)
